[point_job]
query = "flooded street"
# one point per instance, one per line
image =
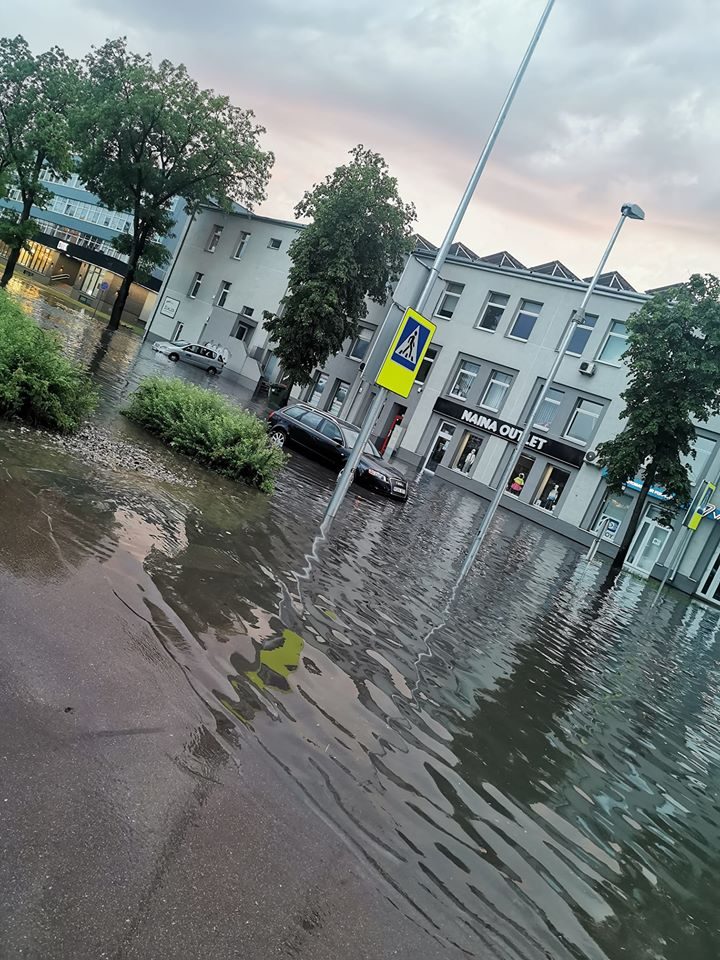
(222, 736)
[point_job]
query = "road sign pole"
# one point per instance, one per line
(345, 478)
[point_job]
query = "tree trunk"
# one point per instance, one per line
(136, 251)
(15, 248)
(632, 526)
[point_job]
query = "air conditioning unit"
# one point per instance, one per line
(591, 456)
(587, 367)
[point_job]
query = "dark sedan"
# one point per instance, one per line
(325, 438)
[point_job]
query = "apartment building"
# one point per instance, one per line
(230, 268)
(500, 324)
(73, 248)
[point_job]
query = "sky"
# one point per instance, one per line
(620, 104)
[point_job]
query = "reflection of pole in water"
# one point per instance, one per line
(103, 345)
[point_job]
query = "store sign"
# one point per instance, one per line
(170, 307)
(510, 432)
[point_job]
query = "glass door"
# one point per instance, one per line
(710, 584)
(648, 543)
(439, 447)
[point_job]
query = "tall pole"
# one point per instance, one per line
(348, 473)
(628, 210)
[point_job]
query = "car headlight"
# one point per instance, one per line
(378, 474)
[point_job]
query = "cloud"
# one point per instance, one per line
(620, 103)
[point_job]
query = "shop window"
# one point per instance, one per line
(449, 300)
(583, 421)
(612, 514)
(439, 446)
(360, 344)
(525, 320)
(496, 390)
(520, 474)
(550, 488)
(548, 409)
(316, 390)
(464, 380)
(339, 397)
(615, 344)
(467, 453)
(494, 309)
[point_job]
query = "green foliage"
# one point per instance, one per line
(354, 249)
(673, 369)
(37, 383)
(208, 428)
(148, 135)
(153, 256)
(16, 232)
(36, 96)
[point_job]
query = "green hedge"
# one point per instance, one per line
(207, 427)
(38, 383)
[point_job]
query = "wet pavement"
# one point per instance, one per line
(222, 737)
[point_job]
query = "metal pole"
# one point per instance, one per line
(527, 429)
(347, 474)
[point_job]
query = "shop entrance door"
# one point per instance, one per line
(439, 446)
(709, 587)
(648, 543)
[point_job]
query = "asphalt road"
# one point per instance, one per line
(127, 830)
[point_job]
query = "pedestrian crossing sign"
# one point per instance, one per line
(406, 354)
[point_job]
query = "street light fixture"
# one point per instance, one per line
(628, 211)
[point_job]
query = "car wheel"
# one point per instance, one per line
(212, 371)
(174, 357)
(277, 438)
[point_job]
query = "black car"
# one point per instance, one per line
(330, 440)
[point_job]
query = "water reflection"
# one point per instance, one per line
(536, 778)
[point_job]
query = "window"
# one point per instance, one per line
(615, 344)
(339, 397)
(612, 514)
(242, 332)
(242, 243)
(467, 453)
(581, 334)
(496, 390)
(195, 285)
(464, 379)
(294, 412)
(703, 448)
(492, 315)
(223, 293)
(214, 238)
(548, 409)
(247, 311)
(360, 345)
(316, 390)
(330, 430)
(583, 421)
(525, 320)
(275, 244)
(449, 300)
(550, 488)
(177, 331)
(312, 420)
(520, 474)
(425, 367)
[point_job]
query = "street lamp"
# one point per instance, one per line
(628, 211)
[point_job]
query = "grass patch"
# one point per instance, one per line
(208, 428)
(38, 384)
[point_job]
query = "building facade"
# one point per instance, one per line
(230, 269)
(499, 325)
(73, 248)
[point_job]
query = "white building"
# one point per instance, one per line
(230, 269)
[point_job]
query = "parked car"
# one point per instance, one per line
(193, 353)
(325, 438)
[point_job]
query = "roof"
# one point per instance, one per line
(460, 250)
(504, 259)
(613, 281)
(555, 269)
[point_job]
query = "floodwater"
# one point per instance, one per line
(533, 775)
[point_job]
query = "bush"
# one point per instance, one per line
(37, 383)
(207, 427)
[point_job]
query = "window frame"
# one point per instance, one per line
(225, 287)
(573, 416)
(522, 310)
(242, 243)
(611, 333)
(492, 382)
(447, 292)
(359, 338)
(274, 243)
(247, 311)
(195, 284)
(579, 326)
(489, 303)
(213, 241)
(339, 384)
(429, 360)
(556, 403)
(458, 373)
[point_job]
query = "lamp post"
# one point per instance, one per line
(628, 211)
(348, 472)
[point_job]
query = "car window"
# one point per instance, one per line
(352, 435)
(293, 412)
(191, 349)
(331, 430)
(311, 419)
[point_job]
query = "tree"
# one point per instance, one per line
(353, 249)
(673, 367)
(150, 135)
(36, 95)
